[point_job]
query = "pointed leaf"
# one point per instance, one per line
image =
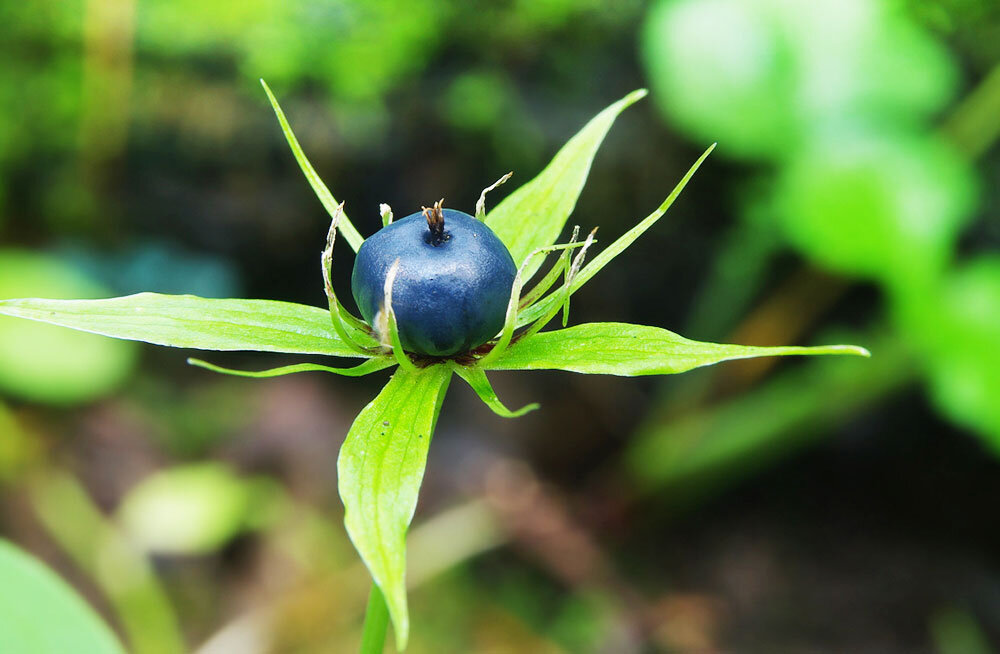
(605, 256)
(380, 468)
(478, 381)
(194, 322)
(366, 368)
(613, 348)
(41, 614)
(319, 188)
(533, 216)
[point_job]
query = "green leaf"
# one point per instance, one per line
(717, 443)
(194, 322)
(613, 348)
(380, 468)
(41, 363)
(366, 368)
(195, 508)
(605, 256)
(319, 188)
(957, 329)
(533, 216)
(74, 522)
(884, 206)
(41, 614)
(477, 379)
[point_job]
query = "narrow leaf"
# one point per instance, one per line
(402, 358)
(319, 188)
(605, 256)
(534, 215)
(366, 368)
(340, 317)
(481, 203)
(611, 348)
(195, 322)
(41, 614)
(477, 379)
(380, 468)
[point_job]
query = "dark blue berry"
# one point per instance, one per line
(454, 281)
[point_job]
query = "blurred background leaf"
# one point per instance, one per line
(47, 364)
(42, 614)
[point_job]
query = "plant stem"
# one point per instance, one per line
(376, 623)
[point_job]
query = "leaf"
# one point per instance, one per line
(74, 522)
(194, 322)
(195, 508)
(41, 614)
(351, 234)
(371, 365)
(716, 444)
(45, 364)
(478, 381)
(605, 256)
(380, 468)
(533, 216)
(612, 348)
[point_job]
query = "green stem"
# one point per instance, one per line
(376, 623)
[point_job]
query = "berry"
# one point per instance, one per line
(453, 285)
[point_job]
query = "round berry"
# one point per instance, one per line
(452, 287)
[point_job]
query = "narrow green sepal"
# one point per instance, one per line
(319, 188)
(390, 321)
(510, 322)
(343, 320)
(478, 381)
(605, 256)
(368, 367)
(481, 203)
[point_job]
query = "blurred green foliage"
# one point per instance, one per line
(956, 327)
(47, 364)
(838, 98)
(195, 509)
(66, 624)
(764, 77)
(883, 206)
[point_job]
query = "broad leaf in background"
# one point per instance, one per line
(764, 77)
(959, 333)
(41, 614)
(194, 322)
(194, 509)
(889, 209)
(614, 348)
(379, 472)
(46, 364)
(534, 215)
